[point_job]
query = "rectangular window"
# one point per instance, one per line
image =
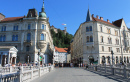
(90, 28)
(14, 28)
(108, 31)
(42, 26)
(101, 29)
(102, 48)
(116, 33)
(109, 49)
(29, 26)
(87, 29)
(87, 38)
(17, 27)
(5, 28)
(117, 50)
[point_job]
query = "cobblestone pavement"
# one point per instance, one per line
(72, 75)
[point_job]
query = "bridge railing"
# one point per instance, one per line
(25, 75)
(115, 70)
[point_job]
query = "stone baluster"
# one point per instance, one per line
(10, 69)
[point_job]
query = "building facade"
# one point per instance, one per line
(29, 34)
(96, 38)
(60, 55)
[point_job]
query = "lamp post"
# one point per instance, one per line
(38, 57)
(28, 59)
(112, 56)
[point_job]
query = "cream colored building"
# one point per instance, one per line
(95, 38)
(28, 34)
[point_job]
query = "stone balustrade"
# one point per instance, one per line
(114, 70)
(24, 73)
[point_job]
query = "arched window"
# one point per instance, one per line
(16, 39)
(42, 36)
(42, 27)
(127, 59)
(116, 59)
(109, 59)
(27, 48)
(120, 59)
(91, 38)
(29, 37)
(13, 38)
(90, 28)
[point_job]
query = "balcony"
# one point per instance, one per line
(27, 42)
(41, 44)
(90, 43)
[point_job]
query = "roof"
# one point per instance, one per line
(61, 49)
(99, 20)
(32, 13)
(118, 22)
(89, 17)
(10, 19)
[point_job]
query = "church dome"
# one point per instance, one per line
(42, 14)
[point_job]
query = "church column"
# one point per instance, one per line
(8, 58)
(15, 60)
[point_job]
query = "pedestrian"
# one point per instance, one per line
(79, 65)
(62, 65)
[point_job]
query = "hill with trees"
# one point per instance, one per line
(60, 39)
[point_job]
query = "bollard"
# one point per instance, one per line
(10, 69)
(20, 72)
(113, 70)
(125, 74)
(96, 68)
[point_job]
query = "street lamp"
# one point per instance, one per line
(38, 57)
(28, 59)
(112, 56)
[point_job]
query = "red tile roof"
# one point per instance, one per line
(96, 19)
(12, 19)
(61, 49)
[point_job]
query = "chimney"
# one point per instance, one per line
(97, 17)
(101, 18)
(1, 16)
(92, 15)
(108, 20)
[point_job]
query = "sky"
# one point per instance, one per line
(70, 12)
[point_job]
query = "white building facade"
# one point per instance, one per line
(28, 34)
(60, 55)
(97, 38)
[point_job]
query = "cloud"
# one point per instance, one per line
(128, 25)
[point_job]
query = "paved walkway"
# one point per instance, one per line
(72, 75)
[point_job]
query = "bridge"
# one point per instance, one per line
(97, 73)
(76, 74)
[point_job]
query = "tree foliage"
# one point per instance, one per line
(60, 39)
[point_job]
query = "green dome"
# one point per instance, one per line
(42, 14)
